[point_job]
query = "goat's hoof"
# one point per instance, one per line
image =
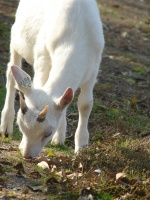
(79, 151)
(4, 134)
(57, 142)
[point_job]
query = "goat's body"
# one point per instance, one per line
(63, 40)
(66, 33)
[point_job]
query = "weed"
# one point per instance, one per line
(138, 70)
(16, 134)
(5, 140)
(2, 96)
(104, 196)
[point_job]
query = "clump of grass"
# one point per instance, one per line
(104, 196)
(17, 135)
(2, 96)
(138, 70)
(5, 140)
(61, 148)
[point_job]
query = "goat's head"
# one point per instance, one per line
(39, 115)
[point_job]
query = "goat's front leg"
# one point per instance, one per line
(8, 112)
(41, 72)
(85, 103)
(60, 135)
(42, 66)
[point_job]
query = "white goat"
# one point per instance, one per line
(63, 40)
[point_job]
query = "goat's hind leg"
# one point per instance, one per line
(8, 112)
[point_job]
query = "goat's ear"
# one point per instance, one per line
(65, 99)
(23, 105)
(22, 79)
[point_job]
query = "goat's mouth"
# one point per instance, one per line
(30, 157)
(29, 154)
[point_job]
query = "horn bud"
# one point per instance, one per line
(23, 105)
(42, 115)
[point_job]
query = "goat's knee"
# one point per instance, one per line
(85, 103)
(8, 112)
(60, 135)
(7, 119)
(85, 108)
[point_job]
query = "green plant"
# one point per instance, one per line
(2, 96)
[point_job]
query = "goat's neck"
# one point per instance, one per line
(64, 74)
(58, 83)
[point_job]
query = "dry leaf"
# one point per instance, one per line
(86, 194)
(1, 148)
(120, 175)
(116, 135)
(51, 181)
(20, 168)
(51, 154)
(35, 175)
(1, 170)
(43, 165)
(25, 190)
(133, 181)
(112, 175)
(116, 5)
(133, 102)
(124, 197)
(71, 175)
(80, 165)
(53, 168)
(5, 162)
(2, 181)
(98, 171)
(36, 188)
(124, 34)
(122, 179)
(98, 143)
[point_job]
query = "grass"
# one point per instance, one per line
(61, 148)
(17, 135)
(132, 119)
(138, 70)
(2, 96)
(105, 196)
(105, 152)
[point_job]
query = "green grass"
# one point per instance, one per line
(132, 119)
(61, 148)
(4, 33)
(2, 96)
(17, 135)
(63, 196)
(104, 196)
(110, 12)
(138, 70)
(5, 140)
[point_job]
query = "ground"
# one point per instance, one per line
(117, 163)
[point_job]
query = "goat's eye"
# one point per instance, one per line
(47, 134)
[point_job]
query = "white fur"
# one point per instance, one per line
(63, 40)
